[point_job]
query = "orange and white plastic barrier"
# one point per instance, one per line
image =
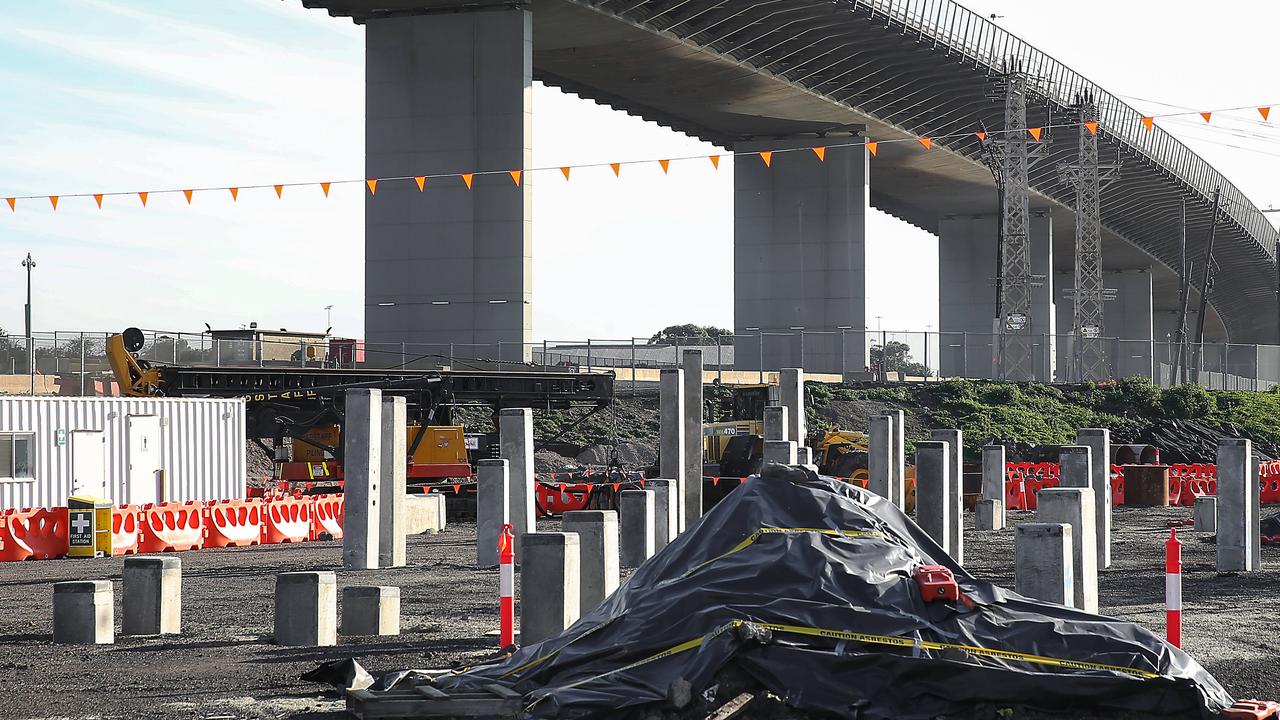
(34, 534)
(1173, 589)
(171, 527)
(506, 587)
(125, 522)
(326, 516)
(232, 523)
(286, 520)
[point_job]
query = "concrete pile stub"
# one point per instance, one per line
(306, 609)
(1098, 440)
(955, 466)
(989, 515)
(515, 431)
(992, 516)
(1075, 507)
(636, 510)
(665, 523)
(898, 460)
(1043, 562)
(775, 423)
(933, 491)
(691, 497)
(791, 393)
(597, 532)
(880, 456)
(1237, 498)
(362, 463)
(152, 596)
(391, 513)
(782, 452)
(493, 508)
(83, 613)
(550, 598)
(370, 610)
(1205, 512)
(671, 433)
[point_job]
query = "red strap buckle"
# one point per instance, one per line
(1251, 710)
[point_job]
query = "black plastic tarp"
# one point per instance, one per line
(806, 584)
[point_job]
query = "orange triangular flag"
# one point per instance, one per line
(98, 198)
(982, 136)
(1265, 112)
(715, 160)
(617, 169)
(873, 148)
(279, 191)
(421, 180)
(373, 186)
(457, 488)
(821, 152)
(616, 486)
(714, 481)
(325, 188)
(565, 171)
(665, 164)
(767, 157)
(927, 143)
(467, 178)
(235, 193)
(1149, 123)
(143, 197)
(188, 194)
(515, 177)
(1206, 116)
(1035, 133)
(13, 203)
(1092, 127)
(53, 200)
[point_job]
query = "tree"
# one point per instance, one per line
(896, 357)
(690, 334)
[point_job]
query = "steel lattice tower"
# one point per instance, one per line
(1015, 258)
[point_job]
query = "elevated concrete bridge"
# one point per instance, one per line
(449, 89)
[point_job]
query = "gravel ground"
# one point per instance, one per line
(223, 665)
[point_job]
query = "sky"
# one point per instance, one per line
(105, 96)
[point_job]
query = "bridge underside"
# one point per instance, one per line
(734, 73)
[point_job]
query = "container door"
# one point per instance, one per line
(88, 464)
(145, 476)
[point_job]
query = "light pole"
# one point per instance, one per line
(328, 316)
(29, 264)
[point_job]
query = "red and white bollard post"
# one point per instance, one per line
(1173, 588)
(507, 587)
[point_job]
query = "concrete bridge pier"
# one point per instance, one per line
(449, 92)
(799, 229)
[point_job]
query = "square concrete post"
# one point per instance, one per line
(515, 436)
(775, 423)
(493, 508)
(933, 492)
(370, 610)
(1043, 569)
(550, 599)
(1205, 512)
(880, 455)
(1075, 507)
(597, 532)
(306, 610)
(989, 515)
(395, 459)
(1074, 469)
(782, 452)
(636, 510)
(83, 613)
(1098, 441)
(1237, 493)
(664, 511)
(691, 502)
(804, 456)
(791, 393)
(898, 460)
(362, 463)
(955, 466)
(991, 509)
(671, 432)
(152, 602)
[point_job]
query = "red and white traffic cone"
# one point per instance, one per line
(507, 587)
(1173, 588)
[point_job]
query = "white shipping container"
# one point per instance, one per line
(152, 449)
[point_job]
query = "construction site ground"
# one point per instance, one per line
(224, 665)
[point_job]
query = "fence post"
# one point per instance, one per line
(719, 361)
(82, 359)
(450, 355)
(588, 354)
(633, 366)
(760, 348)
(802, 348)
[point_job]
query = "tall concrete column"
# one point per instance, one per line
(1075, 507)
(665, 505)
(395, 457)
(776, 426)
(933, 492)
(691, 502)
(880, 455)
(966, 294)
(1098, 440)
(898, 460)
(515, 439)
(1128, 317)
(493, 508)
(1237, 498)
(955, 443)
(1042, 565)
(800, 255)
(791, 392)
(991, 508)
(362, 463)
(597, 532)
(446, 93)
(671, 433)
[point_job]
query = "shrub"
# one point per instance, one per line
(1186, 401)
(1002, 394)
(1133, 396)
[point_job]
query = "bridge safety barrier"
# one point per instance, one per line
(171, 527)
(126, 523)
(232, 523)
(326, 517)
(286, 519)
(33, 534)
